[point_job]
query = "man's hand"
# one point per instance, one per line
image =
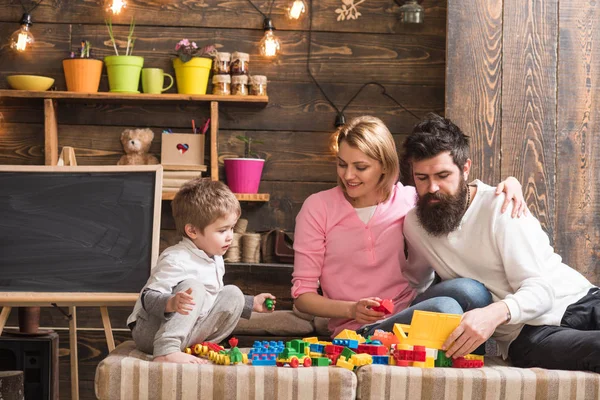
(363, 314)
(259, 303)
(181, 302)
(476, 326)
(514, 192)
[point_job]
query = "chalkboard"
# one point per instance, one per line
(78, 229)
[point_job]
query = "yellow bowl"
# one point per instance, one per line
(30, 82)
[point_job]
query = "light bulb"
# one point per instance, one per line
(116, 6)
(297, 9)
(411, 12)
(22, 38)
(270, 44)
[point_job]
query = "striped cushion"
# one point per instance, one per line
(129, 375)
(494, 381)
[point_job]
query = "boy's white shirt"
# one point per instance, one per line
(511, 257)
(178, 263)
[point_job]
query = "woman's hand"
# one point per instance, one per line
(181, 302)
(362, 312)
(514, 192)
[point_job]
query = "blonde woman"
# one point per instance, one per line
(349, 241)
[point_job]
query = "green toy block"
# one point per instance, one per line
(269, 304)
(235, 355)
(320, 362)
(347, 353)
(442, 360)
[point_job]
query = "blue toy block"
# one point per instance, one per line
(383, 360)
(264, 363)
(317, 348)
(351, 343)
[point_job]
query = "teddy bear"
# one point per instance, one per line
(136, 143)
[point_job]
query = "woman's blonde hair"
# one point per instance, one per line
(201, 202)
(371, 136)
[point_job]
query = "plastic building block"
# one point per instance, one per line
(311, 340)
(296, 352)
(351, 335)
(383, 360)
(431, 329)
(333, 349)
(233, 342)
(317, 348)
(442, 360)
(361, 359)
(386, 306)
(419, 353)
(320, 361)
(264, 363)
(342, 362)
(351, 343)
(269, 304)
(386, 338)
(372, 349)
(347, 353)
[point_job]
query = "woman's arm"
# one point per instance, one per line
(514, 192)
(315, 304)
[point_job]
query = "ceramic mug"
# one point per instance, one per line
(153, 80)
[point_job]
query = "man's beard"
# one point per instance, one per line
(442, 217)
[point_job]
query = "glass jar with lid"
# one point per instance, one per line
(239, 85)
(240, 63)
(258, 85)
(222, 63)
(221, 84)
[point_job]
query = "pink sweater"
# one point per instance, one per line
(352, 260)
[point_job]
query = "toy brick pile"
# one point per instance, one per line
(415, 345)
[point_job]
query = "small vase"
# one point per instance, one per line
(243, 174)
(124, 73)
(192, 76)
(82, 74)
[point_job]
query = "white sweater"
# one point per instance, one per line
(512, 257)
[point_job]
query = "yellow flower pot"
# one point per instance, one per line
(192, 76)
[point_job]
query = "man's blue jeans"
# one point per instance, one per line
(454, 296)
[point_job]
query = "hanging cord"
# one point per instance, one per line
(32, 8)
(340, 113)
(258, 9)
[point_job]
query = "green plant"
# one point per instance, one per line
(130, 38)
(248, 146)
(186, 50)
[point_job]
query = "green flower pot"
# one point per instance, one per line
(124, 73)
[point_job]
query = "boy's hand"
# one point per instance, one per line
(363, 313)
(259, 303)
(181, 302)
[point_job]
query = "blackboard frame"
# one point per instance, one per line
(90, 298)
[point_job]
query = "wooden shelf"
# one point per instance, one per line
(121, 97)
(201, 168)
(258, 197)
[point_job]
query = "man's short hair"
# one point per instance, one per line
(201, 202)
(432, 136)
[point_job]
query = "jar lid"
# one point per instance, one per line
(222, 56)
(221, 79)
(258, 79)
(243, 79)
(237, 55)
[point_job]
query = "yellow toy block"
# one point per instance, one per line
(311, 340)
(431, 329)
(429, 362)
(474, 357)
(400, 332)
(361, 359)
(350, 335)
(314, 354)
(341, 362)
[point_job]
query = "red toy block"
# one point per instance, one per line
(372, 349)
(386, 306)
(419, 353)
(333, 349)
(233, 342)
(403, 363)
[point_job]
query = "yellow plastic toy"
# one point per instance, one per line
(427, 329)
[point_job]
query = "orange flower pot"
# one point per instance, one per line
(82, 74)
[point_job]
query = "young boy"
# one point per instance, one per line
(184, 301)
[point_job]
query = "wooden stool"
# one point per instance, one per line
(11, 385)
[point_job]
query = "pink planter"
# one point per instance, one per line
(243, 174)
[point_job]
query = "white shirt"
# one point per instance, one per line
(512, 257)
(366, 213)
(180, 262)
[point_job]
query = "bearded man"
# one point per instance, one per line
(544, 313)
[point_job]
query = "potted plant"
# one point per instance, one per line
(192, 67)
(82, 73)
(123, 70)
(243, 174)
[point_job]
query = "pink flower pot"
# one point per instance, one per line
(243, 174)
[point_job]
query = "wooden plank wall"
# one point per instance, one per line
(532, 104)
(295, 127)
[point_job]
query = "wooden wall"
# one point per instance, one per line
(523, 78)
(295, 126)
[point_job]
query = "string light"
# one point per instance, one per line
(297, 9)
(116, 6)
(411, 12)
(21, 39)
(269, 45)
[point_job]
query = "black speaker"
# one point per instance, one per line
(37, 357)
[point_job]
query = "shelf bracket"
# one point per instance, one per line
(214, 151)
(50, 132)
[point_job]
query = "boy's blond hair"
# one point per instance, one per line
(371, 136)
(201, 202)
